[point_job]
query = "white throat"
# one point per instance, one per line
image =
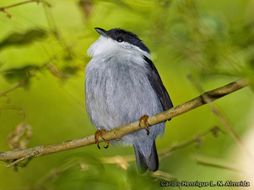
(107, 47)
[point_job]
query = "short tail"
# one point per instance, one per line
(149, 162)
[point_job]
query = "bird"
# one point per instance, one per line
(122, 85)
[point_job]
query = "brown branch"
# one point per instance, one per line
(223, 120)
(18, 4)
(121, 161)
(16, 86)
(194, 140)
(4, 8)
(117, 133)
(216, 163)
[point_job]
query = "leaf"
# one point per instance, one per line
(19, 39)
(216, 131)
(23, 73)
(63, 73)
(71, 70)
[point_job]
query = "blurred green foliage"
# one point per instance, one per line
(16, 39)
(44, 47)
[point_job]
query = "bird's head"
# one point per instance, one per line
(116, 41)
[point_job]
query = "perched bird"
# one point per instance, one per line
(122, 85)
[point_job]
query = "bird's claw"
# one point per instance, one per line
(143, 122)
(106, 144)
(98, 134)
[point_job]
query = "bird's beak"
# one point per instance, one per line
(101, 31)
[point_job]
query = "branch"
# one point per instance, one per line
(198, 139)
(216, 163)
(223, 120)
(18, 4)
(16, 86)
(122, 161)
(4, 8)
(17, 156)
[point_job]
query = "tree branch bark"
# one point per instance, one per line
(17, 156)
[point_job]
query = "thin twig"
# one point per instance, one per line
(55, 173)
(216, 163)
(119, 132)
(122, 161)
(4, 8)
(46, 65)
(55, 31)
(196, 139)
(16, 86)
(223, 119)
(19, 3)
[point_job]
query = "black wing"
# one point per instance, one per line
(158, 86)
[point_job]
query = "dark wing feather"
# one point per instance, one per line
(158, 86)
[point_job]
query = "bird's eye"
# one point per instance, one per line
(119, 39)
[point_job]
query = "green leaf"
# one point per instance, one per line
(20, 39)
(22, 73)
(71, 70)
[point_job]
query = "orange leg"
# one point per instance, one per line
(99, 134)
(143, 122)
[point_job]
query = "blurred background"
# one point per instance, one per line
(196, 45)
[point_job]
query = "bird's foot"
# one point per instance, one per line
(143, 122)
(99, 134)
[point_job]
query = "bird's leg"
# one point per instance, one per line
(143, 122)
(98, 134)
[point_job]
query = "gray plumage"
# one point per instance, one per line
(122, 84)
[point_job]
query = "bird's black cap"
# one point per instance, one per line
(121, 35)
